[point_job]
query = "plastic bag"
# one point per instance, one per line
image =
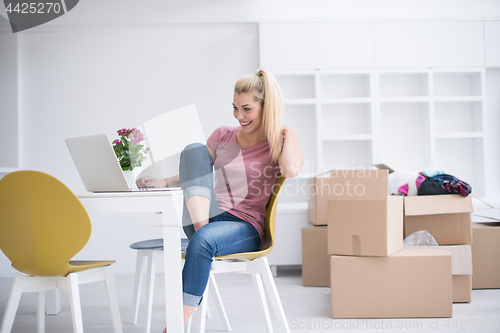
(397, 179)
(420, 238)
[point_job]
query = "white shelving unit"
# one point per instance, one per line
(410, 119)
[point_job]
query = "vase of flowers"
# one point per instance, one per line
(130, 152)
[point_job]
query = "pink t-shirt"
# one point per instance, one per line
(244, 177)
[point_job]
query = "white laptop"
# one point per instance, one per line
(98, 166)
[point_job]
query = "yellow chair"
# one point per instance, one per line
(255, 264)
(42, 226)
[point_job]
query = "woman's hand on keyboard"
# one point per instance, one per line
(149, 181)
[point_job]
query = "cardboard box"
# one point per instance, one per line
(363, 220)
(318, 191)
(315, 258)
(486, 255)
(462, 288)
(461, 270)
(446, 217)
(411, 283)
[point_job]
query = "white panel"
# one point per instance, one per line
(429, 44)
(492, 40)
(169, 133)
(309, 45)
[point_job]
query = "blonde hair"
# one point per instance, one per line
(266, 90)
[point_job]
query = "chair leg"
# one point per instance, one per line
(150, 284)
(218, 302)
(74, 299)
(137, 285)
(202, 312)
(113, 299)
(268, 280)
(40, 312)
(257, 282)
(12, 303)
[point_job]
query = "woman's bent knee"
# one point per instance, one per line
(192, 147)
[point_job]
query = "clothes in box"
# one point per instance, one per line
(446, 217)
(411, 283)
(315, 258)
(362, 219)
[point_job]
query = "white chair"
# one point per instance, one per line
(42, 226)
(148, 251)
(166, 136)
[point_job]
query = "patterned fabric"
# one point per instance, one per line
(448, 185)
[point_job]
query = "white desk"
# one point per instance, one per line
(169, 204)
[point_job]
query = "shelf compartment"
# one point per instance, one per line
(404, 84)
(405, 143)
(350, 155)
(297, 86)
(458, 117)
(335, 86)
(345, 119)
(457, 84)
(464, 159)
(302, 118)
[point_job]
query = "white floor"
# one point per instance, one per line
(307, 309)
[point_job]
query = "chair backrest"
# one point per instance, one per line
(42, 223)
(267, 243)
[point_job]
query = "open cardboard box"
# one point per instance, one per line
(446, 217)
(363, 220)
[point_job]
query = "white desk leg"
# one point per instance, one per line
(53, 302)
(173, 280)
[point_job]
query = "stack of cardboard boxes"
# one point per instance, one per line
(371, 275)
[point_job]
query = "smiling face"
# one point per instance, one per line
(248, 112)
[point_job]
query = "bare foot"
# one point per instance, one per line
(165, 330)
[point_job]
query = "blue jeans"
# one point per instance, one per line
(224, 234)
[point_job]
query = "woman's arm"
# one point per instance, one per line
(290, 159)
(149, 181)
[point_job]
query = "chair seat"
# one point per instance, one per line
(156, 244)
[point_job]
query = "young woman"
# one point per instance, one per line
(227, 216)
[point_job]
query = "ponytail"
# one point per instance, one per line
(265, 88)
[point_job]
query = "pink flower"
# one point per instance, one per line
(117, 142)
(135, 136)
(124, 132)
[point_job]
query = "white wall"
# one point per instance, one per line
(77, 81)
(109, 64)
